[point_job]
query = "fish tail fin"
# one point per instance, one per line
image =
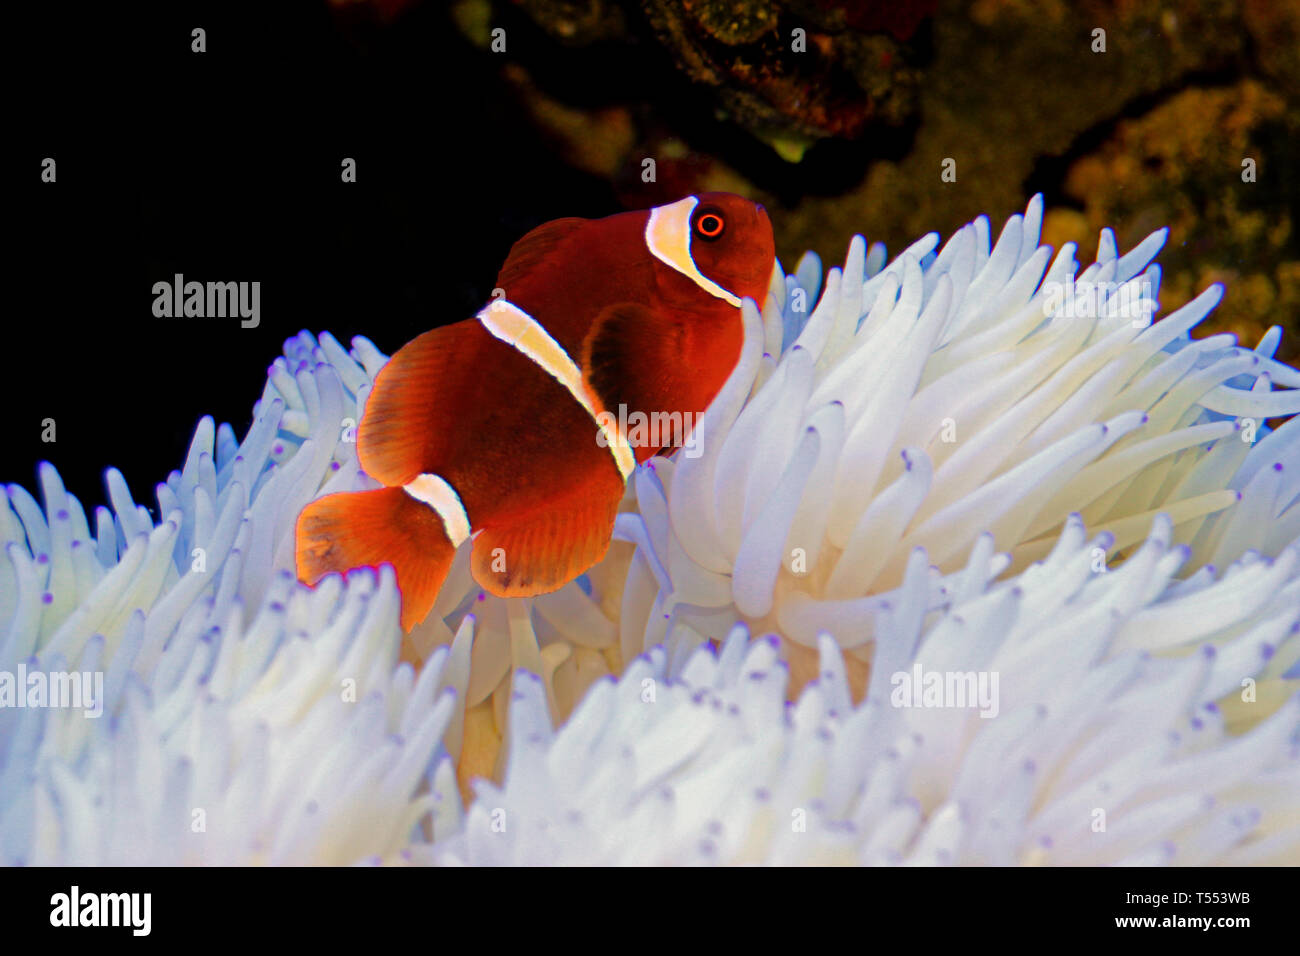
(354, 529)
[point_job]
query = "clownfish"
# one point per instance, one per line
(504, 427)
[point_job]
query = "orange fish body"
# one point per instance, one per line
(506, 427)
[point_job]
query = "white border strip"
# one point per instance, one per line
(668, 237)
(435, 492)
(518, 329)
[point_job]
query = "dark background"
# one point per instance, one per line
(224, 166)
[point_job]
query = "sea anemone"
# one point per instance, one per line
(895, 479)
(244, 718)
(937, 398)
(1098, 753)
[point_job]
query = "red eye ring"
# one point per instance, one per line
(709, 224)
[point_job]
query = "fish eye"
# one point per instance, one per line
(709, 223)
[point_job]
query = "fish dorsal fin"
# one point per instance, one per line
(403, 431)
(533, 249)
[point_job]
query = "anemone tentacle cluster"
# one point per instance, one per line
(939, 464)
(950, 393)
(1097, 753)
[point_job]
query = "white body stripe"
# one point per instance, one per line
(668, 237)
(442, 498)
(517, 328)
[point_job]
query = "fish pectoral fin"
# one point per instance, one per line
(544, 551)
(533, 249)
(631, 357)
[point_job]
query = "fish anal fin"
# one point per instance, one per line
(541, 552)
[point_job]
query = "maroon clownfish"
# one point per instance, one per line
(499, 427)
